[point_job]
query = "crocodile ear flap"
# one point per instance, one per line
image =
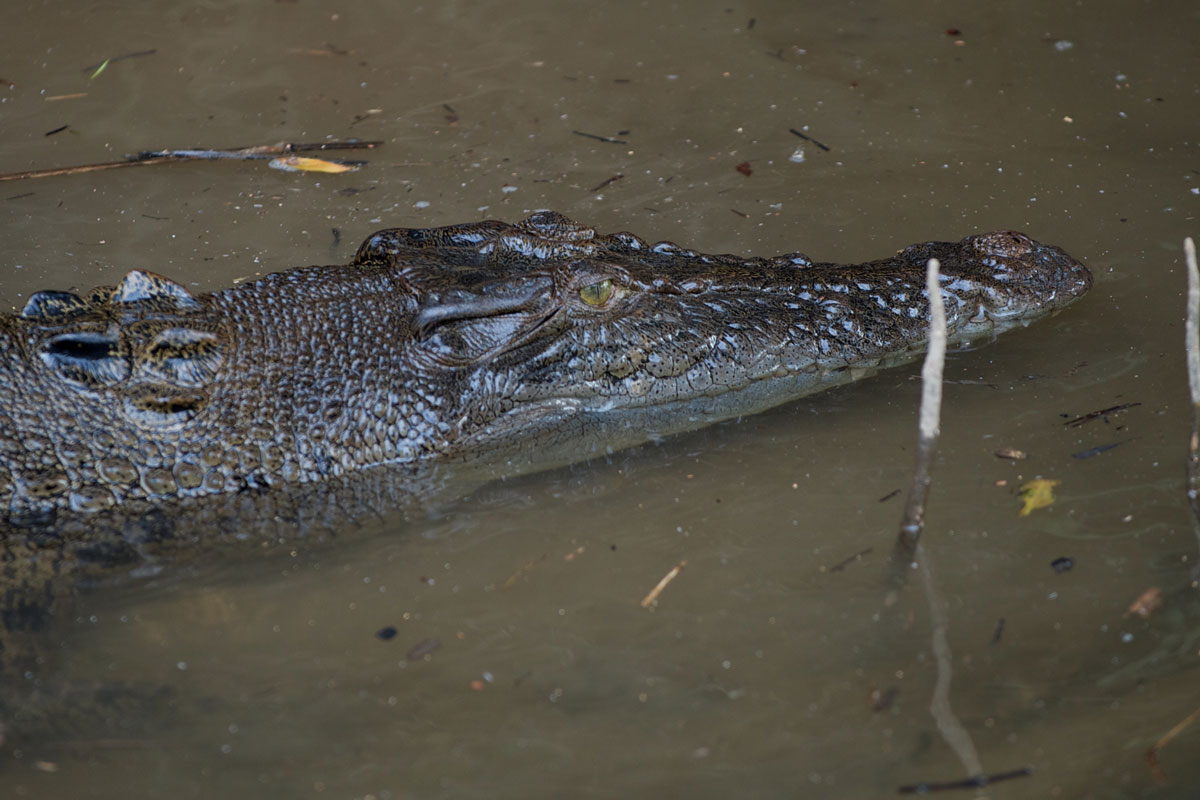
(140, 286)
(53, 306)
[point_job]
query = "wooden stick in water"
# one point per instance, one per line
(148, 157)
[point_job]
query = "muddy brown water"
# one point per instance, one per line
(754, 676)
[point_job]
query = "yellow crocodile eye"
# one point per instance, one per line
(597, 294)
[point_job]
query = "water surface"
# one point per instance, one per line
(759, 671)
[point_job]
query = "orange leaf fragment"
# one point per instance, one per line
(1147, 603)
(302, 164)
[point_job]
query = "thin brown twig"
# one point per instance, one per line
(148, 157)
(652, 597)
(1152, 753)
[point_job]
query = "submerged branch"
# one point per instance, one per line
(1152, 753)
(148, 157)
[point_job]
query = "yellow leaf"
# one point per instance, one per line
(1037, 494)
(100, 69)
(300, 164)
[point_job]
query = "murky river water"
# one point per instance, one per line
(772, 666)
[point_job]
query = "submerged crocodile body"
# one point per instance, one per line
(131, 410)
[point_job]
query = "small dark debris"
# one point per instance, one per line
(841, 565)
(386, 634)
(151, 216)
(612, 547)
(745, 168)
(808, 138)
(1062, 564)
(741, 214)
(881, 700)
(59, 129)
(1095, 451)
(622, 80)
(973, 782)
(337, 236)
(889, 495)
(422, 649)
(953, 32)
(1104, 412)
(750, 25)
(604, 183)
(1011, 453)
(998, 632)
(115, 59)
(19, 196)
(608, 139)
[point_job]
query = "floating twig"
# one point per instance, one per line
(974, 782)
(841, 565)
(808, 138)
(1152, 753)
(59, 129)
(605, 183)
(147, 157)
(1104, 412)
(652, 598)
(115, 59)
(608, 139)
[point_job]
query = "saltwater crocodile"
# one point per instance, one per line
(128, 412)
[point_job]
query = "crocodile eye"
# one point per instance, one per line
(597, 294)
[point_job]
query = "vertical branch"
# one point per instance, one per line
(931, 404)
(913, 522)
(1192, 349)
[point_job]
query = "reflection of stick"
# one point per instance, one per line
(948, 724)
(652, 598)
(148, 157)
(1152, 753)
(931, 405)
(1192, 348)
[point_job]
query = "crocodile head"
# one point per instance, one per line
(454, 342)
(564, 330)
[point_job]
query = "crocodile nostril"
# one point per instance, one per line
(82, 346)
(87, 358)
